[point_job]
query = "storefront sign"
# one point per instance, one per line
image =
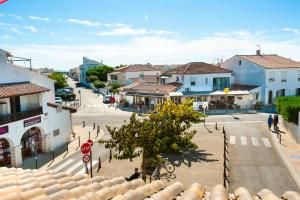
(3, 130)
(32, 121)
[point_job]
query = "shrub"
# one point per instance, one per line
(289, 108)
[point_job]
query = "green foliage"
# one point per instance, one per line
(288, 108)
(60, 80)
(92, 78)
(166, 130)
(114, 87)
(100, 71)
(99, 84)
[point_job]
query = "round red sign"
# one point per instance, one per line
(90, 142)
(86, 158)
(85, 148)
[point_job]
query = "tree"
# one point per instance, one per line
(92, 78)
(99, 84)
(165, 131)
(114, 87)
(60, 80)
(100, 71)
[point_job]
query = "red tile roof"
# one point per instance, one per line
(197, 68)
(137, 68)
(20, 89)
(154, 88)
(271, 61)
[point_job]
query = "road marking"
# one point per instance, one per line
(88, 106)
(243, 140)
(63, 165)
(254, 141)
(74, 167)
(232, 139)
(266, 142)
(82, 171)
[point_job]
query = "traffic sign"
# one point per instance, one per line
(90, 142)
(85, 148)
(86, 158)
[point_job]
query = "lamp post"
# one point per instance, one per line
(79, 92)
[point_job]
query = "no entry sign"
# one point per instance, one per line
(86, 158)
(90, 142)
(85, 148)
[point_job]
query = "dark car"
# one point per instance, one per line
(78, 84)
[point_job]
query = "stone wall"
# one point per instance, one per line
(293, 129)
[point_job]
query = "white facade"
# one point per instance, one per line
(271, 82)
(197, 82)
(49, 121)
(86, 65)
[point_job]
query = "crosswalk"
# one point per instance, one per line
(72, 166)
(245, 141)
(94, 106)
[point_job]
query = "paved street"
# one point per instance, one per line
(253, 162)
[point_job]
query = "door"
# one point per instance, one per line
(270, 97)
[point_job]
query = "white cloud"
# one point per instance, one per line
(83, 22)
(18, 17)
(31, 28)
(6, 37)
(292, 30)
(45, 19)
(146, 18)
(156, 50)
(16, 30)
(127, 31)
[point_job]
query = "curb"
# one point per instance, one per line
(285, 160)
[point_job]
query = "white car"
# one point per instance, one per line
(58, 100)
(106, 99)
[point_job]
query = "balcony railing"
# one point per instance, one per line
(4, 119)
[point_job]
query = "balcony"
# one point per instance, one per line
(4, 119)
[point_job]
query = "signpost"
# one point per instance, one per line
(86, 159)
(90, 142)
(85, 148)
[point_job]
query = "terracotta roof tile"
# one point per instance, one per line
(83, 188)
(153, 88)
(137, 68)
(197, 68)
(20, 89)
(271, 61)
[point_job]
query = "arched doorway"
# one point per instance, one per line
(270, 97)
(5, 158)
(31, 142)
(297, 93)
(280, 93)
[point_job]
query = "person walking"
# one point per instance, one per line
(270, 121)
(275, 121)
(140, 105)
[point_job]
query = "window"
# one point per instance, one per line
(182, 78)
(193, 83)
(283, 76)
(56, 132)
(221, 83)
(298, 75)
(240, 62)
(187, 89)
(177, 78)
(206, 81)
(271, 76)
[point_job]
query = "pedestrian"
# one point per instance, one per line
(275, 121)
(113, 100)
(270, 121)
(140, 105)
(135, 175)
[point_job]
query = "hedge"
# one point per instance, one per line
(289, 108)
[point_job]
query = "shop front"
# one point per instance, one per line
(4, 152)
(31, 142)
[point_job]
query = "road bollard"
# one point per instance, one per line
(52, 155)
(98, 129)
(110, 155)
(78, 143)
(89, 135)
(223, 130)
(216, 126)
(99, 164)
(83, 124)
(279, 138)
(36, 162)
(94, 127)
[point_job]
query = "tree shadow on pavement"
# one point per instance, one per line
(189, 157)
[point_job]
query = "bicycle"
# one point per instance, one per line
(169, 167)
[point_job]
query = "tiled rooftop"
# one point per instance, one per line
(19, 89)
(20, 184)
(197, 68)
(271, 61)
(137, 68)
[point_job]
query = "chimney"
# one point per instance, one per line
(258, 52)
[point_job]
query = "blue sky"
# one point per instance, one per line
(58, 33)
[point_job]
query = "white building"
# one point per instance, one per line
(127, 75)
(275, 75)
(30, 122)
(86, 65)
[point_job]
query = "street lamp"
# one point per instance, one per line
(79, 92)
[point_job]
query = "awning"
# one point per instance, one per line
(20, 89)
(175, 94)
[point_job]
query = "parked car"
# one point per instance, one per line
(78, 84)
(106, 99)
(58, 100)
